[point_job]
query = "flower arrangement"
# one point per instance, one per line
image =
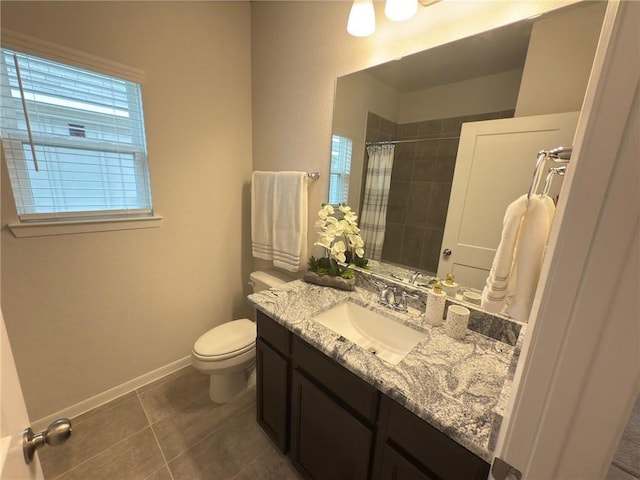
(340, 237)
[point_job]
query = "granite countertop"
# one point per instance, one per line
(455, 385)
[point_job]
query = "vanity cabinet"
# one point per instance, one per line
(409, 448)
(335, 426)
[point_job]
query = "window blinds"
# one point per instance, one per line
(73, 139)
(340, 168)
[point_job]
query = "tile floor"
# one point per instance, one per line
(168, 430)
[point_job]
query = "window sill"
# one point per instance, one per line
(41, 229)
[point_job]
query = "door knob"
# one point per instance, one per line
(55, 434)
(446, 252)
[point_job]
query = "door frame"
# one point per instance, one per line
(579, 376)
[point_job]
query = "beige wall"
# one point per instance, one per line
(559, 60)
(490, 93)
(88, 312)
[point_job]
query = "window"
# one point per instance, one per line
(340, 167)
(73, 140)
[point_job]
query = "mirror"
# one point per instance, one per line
(419, 104)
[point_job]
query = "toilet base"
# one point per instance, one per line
(226, 387)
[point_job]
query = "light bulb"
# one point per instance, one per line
(398, 10)
(362, 19)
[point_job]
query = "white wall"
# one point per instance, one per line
(88, 312)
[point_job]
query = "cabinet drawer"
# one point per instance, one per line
(440, 455)
(348, 387)
(274, 333)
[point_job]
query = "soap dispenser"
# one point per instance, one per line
(450, 287)
(434, 312)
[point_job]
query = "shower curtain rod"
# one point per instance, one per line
(394, 142)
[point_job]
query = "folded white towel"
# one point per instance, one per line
(530, 249)
(290, 199)
(500, 281)
(262, 214)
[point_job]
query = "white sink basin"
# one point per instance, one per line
(383, 336)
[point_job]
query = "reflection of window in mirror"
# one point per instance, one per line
(340, 167)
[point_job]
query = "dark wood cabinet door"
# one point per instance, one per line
(397, 467)
(327, 442)
(427, 447)
(272, 391)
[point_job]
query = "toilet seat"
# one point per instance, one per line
(225, 341)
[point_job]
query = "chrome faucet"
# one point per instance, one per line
(388, 296)
(393, 297)
(414, 277)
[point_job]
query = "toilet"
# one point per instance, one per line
(227, 352)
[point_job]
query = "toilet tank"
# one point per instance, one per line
(265, 279)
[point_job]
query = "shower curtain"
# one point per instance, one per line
(376, 197)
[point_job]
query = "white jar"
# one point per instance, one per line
(434, 312)
(457, 321)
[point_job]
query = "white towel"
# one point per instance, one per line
(290, 199)
(262, 214)
(551, 210)
(279, 218)
(530, 249)
(500, 281)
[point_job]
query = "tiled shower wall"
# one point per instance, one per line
(420, 185)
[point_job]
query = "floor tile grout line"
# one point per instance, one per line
(167, 415)
(253, 462)
(155, 437)
(213, 432)
(101, 452)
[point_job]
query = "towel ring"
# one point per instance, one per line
(557, 155)
(550, 173)
(542, 155)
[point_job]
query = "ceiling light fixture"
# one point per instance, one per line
(399, 10)
(362, 19)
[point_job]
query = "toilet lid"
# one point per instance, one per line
(226, 340)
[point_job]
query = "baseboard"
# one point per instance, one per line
(111, 394)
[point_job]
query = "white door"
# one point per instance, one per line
(13, 419)
(579, 374)
(494, 166)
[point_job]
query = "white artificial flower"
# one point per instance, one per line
(326, 211)
(324, 242)
(338, 249)
(332, 228)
